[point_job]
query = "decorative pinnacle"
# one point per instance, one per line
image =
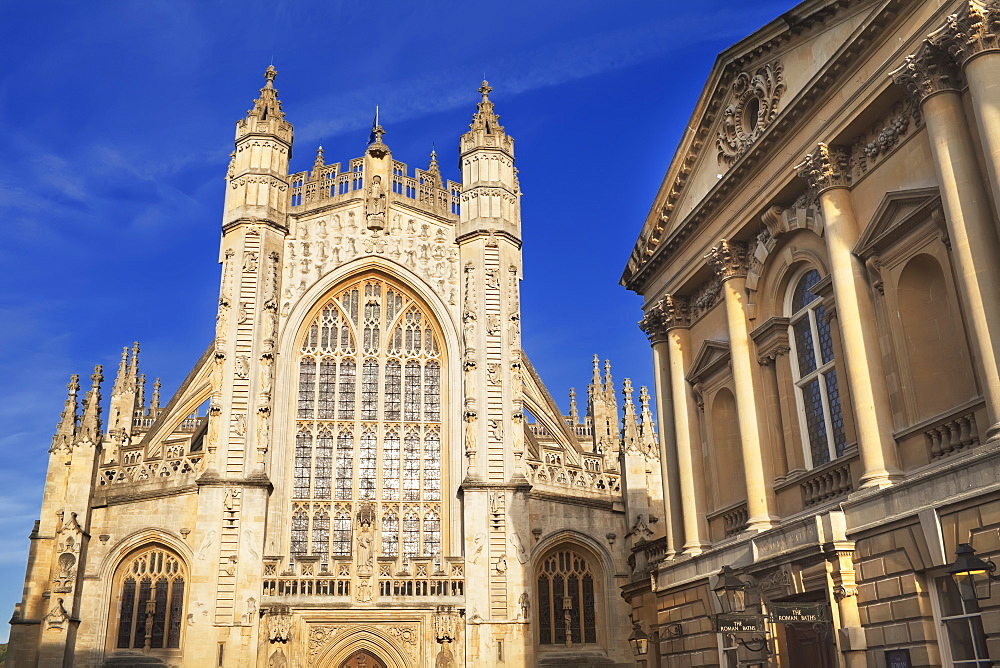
(596, 380)
(269, 74)
(486, 89)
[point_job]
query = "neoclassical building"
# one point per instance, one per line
(821, 274)
(363, 469)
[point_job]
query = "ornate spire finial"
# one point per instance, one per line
(596, 380)
(609, 385)
(90, 423)
(574, 412)
(318, 163)
(120, 376)
(140, 398)
(269, 74)
(486, 89)
(630, 426)
(66, 429)
(154, 404)
(133, 366)
(647, 431)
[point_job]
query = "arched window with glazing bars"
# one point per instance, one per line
(369, 423)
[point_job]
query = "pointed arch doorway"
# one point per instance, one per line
(362, 659)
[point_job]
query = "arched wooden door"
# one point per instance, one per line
(362, 659)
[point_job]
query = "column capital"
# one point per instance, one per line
(927, 72)
(971, 31)
(729, 259)
(826, 167)
(669, 312)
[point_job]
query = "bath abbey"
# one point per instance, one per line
(364, 470)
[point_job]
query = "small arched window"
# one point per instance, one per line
(817, 391)
(150, 600)
(566, 599)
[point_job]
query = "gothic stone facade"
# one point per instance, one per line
(379, 478)
(821, 269)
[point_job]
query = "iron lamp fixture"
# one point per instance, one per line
(638, 640)
(731, 591)
(972, 575)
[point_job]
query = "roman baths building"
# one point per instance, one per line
(821, 274)
(362, 469)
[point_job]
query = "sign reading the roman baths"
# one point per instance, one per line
(793, 613)
(739, 623)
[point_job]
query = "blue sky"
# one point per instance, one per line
(117, 118)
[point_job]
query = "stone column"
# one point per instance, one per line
(972, 37)
(828, 173)
(729, 261)
(933, 81)
(653, 326)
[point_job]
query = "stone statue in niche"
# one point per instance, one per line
(244, 315)
(493, 373)
(492, 324)
(492, 279)
(249, 262)
(375, 205)
(240, 426)
(242, 366)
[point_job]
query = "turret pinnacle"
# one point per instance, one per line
(90, 423)
(647, 431)
(630, 426)
(318, 163)
(609, 385)
(574, 412)
(140, 400)
(268, 106)
(154, 404)
(66, 430)
(485, 118)
(596, 379)
(133, 367)
(434, 169)
(119, 385)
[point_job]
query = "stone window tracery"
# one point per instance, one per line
(151, 595)
(369, 423)
(817, 389)
(566, 599)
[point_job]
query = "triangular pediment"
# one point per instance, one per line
(896, 215)
(712, 357)
(754, 94)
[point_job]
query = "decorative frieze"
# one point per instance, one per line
(873, 146)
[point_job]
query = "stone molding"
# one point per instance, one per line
(729, 259)
(670, 312)
(825, 168)
(771, 339)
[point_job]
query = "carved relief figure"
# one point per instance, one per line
(249, 262)
(376, 204)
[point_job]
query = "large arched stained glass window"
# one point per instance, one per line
(815, 375)
(566, 600)
(369, 424)
(151, 600)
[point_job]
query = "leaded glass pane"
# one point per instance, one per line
(589, 618)
(815, 423)
(366, 466)
(432, 467)
(176, 610)
(825, 335)
(432, 534)
(345, 465)
(390, 535)
(804, 346)
(324, 465)
(307, 387)
(300, 532)
(321, 533)
(369, 390)
(411, 467)
(342, 535)
(303, 465)
(390, 467)
(411, 535)
(544, 621)
(803, 295)
(836, 412)
(411, 403)
(392, 391)
(432, 392)
(127, 614)
(145, 590)
(327, 388)
(348, 372)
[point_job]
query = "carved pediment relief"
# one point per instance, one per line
(712, 357)
(752, 105)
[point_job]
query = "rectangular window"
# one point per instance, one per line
(390, 467)
(392, 391)
(327, 388)
(342, 535)
(324, 465)
(963, 626)
(307, 388)
(345, 465)
(348, 373)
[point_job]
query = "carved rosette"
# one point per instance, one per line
(826, 167)
(753, 104)
(973, 30)
(728, 259)
(927, 72)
